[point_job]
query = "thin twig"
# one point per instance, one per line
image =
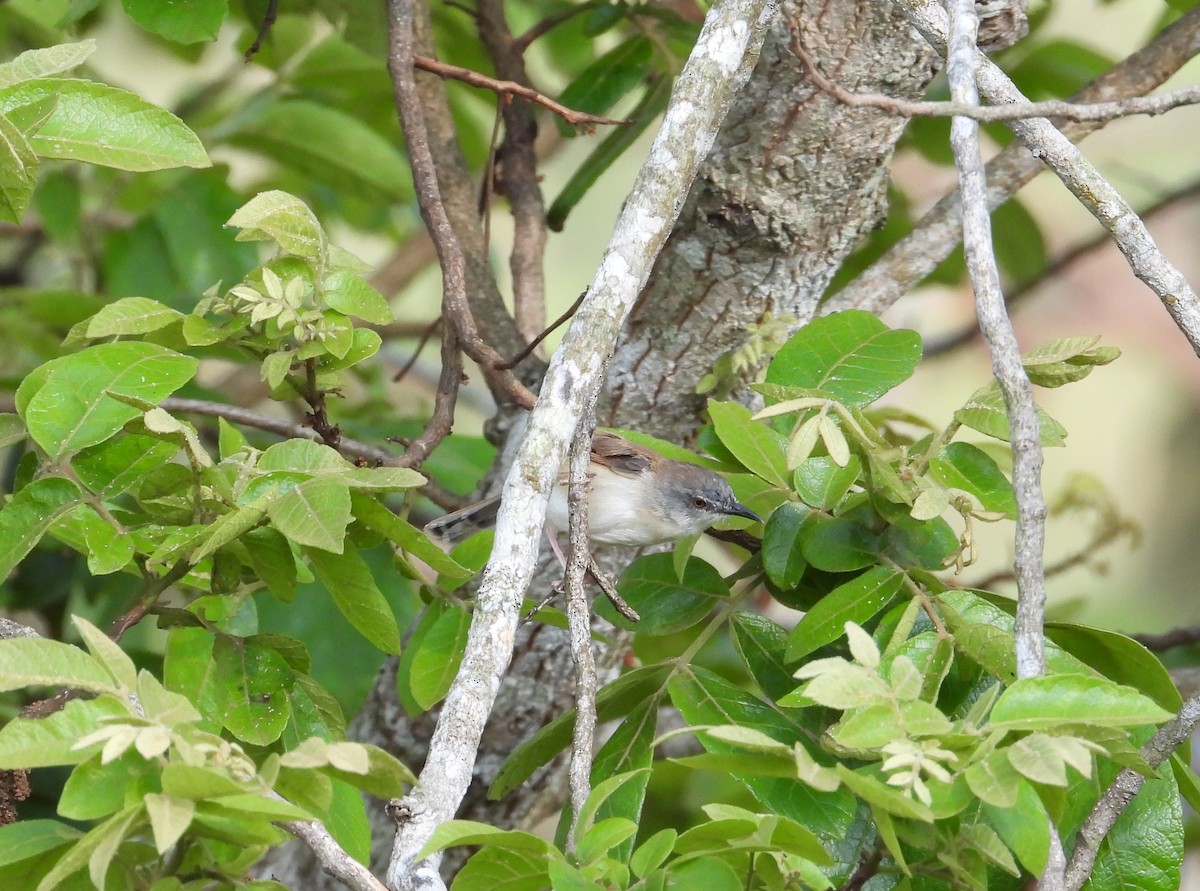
(549, 23)
(1057, 267)
(703, 93)
(936, 234)
(318, 418)
(1168, 640)
(441, 421)
(515, 173)
(579, 621)
(512, 88)
(350, 448)
(1118, 795)
(1056, 108)
(1002, 342)
(455, 306)
(416, 353)
(533, 344)
(1080, 176)
(264, 28)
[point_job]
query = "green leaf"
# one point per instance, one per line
(314, 513)
(994, 780)
(1021, 250)
(191, 22)
(1118, 658)
(883, 796)
(12, 430)
(521, 871)
(629, 751)
(1144, 848)
(851, 355)
(857, 601)
(272, 560)
(667, 604)
(839, 544)
(782, 557)
(703, 698)
(108, 653)
(349, 155)
(614, 700)
(95, 850)
(435, 663)
(352, 586)
(29, 838)
(28, 514)
(1024, 827)
(651, 853)
(69, 408)
(409, 538)
(45, 62)
(603, 83)
(18, 171)
(351, 295)
(602, 836)
(169, 818)
(250, 685)
(39, 662)
(757, 447)
(454, 833)
(98, 124)
(46, 742)
(1045, 703)
(709, 873)
(131, 315)
(762, 645)
(284, 219)
(610, 149)
(963, 466)
(346, 820)
(985, 411)
(821, 483)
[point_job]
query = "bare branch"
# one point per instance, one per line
(441, 421)
(1064, 110)
(702, 97)
(333, 858)
(1118, 795)
(580, 621)
(1081, 177)
(933, 238)
(512, 88)
(264, 28)
(1168, 640)
(455, 305)
(1002, 343)
(551, 328)
(514, 173)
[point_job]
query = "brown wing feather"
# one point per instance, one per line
(620, 455)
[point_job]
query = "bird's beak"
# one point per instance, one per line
(739, 510)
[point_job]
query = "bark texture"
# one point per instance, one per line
(793, 183)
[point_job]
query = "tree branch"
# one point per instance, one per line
(455, 305)
(916, 255)
(1002, 343)
(501, 87)
(1055, 108)
(333, 858)
(1118, 795)
(1080, 176)
(579, 621)
(702, 96)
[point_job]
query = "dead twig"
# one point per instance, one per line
(511, 88)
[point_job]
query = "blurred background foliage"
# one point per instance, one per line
(312, 113)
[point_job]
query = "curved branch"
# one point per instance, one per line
(702, 96)
(936, 234)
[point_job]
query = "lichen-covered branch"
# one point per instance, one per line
(702, 95)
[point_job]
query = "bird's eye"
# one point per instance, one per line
(699, 503)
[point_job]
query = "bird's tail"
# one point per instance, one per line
(466, 522)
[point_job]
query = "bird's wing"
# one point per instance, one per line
(620, 455)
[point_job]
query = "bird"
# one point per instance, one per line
(636, 498)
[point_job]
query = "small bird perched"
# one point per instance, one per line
(636, 497)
